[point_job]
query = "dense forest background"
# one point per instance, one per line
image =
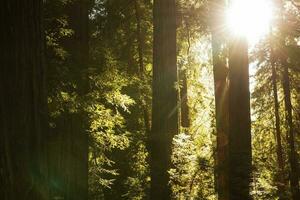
(147, 99)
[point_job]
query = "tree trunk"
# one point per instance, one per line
(294, 179)
(165, 98)
(23, 113)
(221, 98)
(239, 121)
(78, 47)
(141, 67)
(183, 92)
(184, 108)
(279, 151)
(71, 174)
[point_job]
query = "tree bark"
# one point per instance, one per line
(23, 110)
(165, 98)
(240, 156)
(184, 108)
(78, 46)
(279, 151)
(141, 67)
(221, 98)
(71, 160)
(183, 92)
(293, 160)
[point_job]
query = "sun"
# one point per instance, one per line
(250, 18)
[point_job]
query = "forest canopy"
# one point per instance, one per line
(150, 99)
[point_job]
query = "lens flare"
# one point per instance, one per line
(250, 18)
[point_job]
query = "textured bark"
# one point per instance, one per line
(139, 37)
(141, 66)
(184, 108)
(164, 110)
(79, 49)
(279, 151)
(221, 98)
(68, 154)
(70, 157)
(23, 124)
(294, 176)
(239, 121)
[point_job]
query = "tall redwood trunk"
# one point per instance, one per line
(78, 47)
(70, 147)
(221, 98)
(293, 160)
(164, 107)
(141, 69)
(279, 151)
(23, 124)
(240, 156)
(184, 108)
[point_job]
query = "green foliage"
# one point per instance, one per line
(107, 127)
(185, 163)
(124, 93)
(138, 182)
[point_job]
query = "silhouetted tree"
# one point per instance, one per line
(69, 150)
(221, 96)
(23, 127)
(279, 149)
(164, 108)
(240, 155)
